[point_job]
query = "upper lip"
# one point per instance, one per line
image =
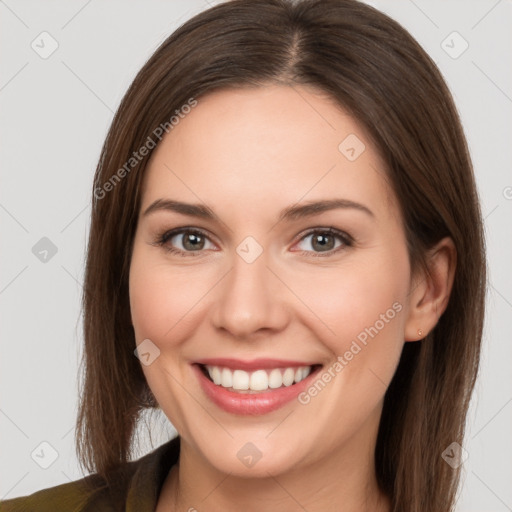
(254, 364)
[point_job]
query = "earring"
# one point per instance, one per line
(420, 333)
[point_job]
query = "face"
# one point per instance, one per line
(273, 327)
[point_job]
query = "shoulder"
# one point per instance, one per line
(137, 482)
(71, 496)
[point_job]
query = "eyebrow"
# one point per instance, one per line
(291, 213)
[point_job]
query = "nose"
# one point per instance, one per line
(251, 300)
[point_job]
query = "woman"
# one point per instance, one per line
(286, 233)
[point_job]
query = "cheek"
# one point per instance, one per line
(152, 308)
(362, 305)
(161, 300)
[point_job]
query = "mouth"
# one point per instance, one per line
(257, 381)
(253, 388)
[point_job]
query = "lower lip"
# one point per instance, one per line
(251, 403)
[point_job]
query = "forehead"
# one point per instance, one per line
(267, 147)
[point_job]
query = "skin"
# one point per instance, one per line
(247, 154)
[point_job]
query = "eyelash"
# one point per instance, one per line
(163, 238)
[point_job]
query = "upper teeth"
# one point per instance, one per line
(259, 380)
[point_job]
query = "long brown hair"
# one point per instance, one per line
(377, 72)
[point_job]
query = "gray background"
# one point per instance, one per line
(55, 113)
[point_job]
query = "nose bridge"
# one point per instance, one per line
(249, 297)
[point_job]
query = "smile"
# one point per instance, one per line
(253, 388)
(259, 380)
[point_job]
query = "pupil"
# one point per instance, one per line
(192, 239)
(318, 239)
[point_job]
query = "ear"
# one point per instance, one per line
(430, 291)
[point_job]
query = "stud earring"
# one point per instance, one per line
(420, 332)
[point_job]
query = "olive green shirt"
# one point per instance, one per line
(137, 487)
